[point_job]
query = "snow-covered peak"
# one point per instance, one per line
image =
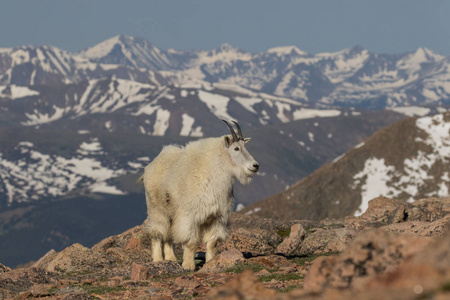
(102, 49)
(413, 60)
(422, 55)
(5, 50)
(345, 63)
(224, 53)
(131, 51)
(286, 50)
(353, 51)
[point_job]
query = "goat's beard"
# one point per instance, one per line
(243, 177)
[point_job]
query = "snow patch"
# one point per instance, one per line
(162, 122)
(16, 92)
(377, 175)
(217, 104)
(411, 111)
(306, 113)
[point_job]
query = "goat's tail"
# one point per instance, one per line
(141, 179)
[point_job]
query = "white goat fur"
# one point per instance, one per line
(189, 194)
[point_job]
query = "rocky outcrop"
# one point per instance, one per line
(395, 250)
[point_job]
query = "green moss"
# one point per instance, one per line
(284, 233)
(446, 287)
(281, 277)
(52, 290)
(290, 288)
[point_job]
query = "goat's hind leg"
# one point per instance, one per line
(158, 230)
(215, 233)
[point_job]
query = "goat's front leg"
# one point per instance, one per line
(189, 255)
(157, 254)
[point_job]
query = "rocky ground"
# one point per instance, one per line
(396, 250)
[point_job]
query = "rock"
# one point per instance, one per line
(243, 286)
(372, 253)
(430, 209)
(319, 273)
(290, 245)
(263, 272)
(16, 281)
(131, 239)
(326, 240)
(139, 272)
(381, 211)
(187, 282)
(45, 260)
(40, 290)
(76, 258)
(119, 255)
(433, 229)
(223, 261)
(272, 261)
(164, 267)
(423, 274)
(254, 242)
(341, 239)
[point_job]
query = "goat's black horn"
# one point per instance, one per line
(233, 133)
(239, 130)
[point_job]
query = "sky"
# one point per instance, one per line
(314, 26)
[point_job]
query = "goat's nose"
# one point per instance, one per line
(256, 166)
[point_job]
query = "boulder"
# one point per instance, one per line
(292, 243)
(225, 260)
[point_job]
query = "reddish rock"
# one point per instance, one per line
(187, 282)
(139, 272)
(292, 243)
(40, 290)
(76, 258)
(16, 281)
(372, 253)
(319, 273)
(420, 228)
(223, 261)
(45, 260)
(164, 267)
(263, 272)
(243, 286)
(119, 255)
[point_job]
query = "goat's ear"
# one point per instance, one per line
(227, 141)
(246, 140)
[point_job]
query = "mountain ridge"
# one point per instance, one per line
(407, 160)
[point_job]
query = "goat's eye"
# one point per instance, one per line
(236, 149)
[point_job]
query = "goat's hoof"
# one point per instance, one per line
(171, 258)
(188, 266)
(157, 259)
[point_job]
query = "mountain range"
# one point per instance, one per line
(350, 77)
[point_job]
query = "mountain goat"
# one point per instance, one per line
(189, 193)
